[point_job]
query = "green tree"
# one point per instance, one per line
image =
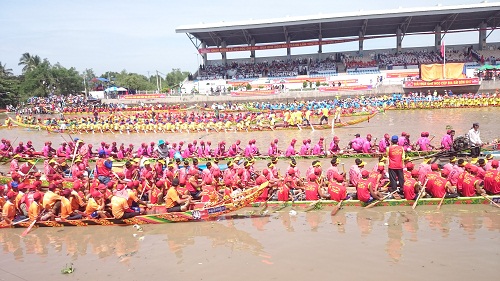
(65, 81)
(4, 71)
(38, 81)
(29, 62)
(9, 85)
(175, 77)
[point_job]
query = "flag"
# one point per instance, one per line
(442, 49)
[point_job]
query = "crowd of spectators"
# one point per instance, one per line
(356, 62)
(52, 103)
(326, 65)
(408, 58)
(249, 70)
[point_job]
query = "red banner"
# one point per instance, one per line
(285, 45)
(346, 88)
(402, 74)
(442, 83)
(350, 81)
(305, 78)
(254, 93)
(146, 96)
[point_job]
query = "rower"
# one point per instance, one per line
(492, 179)
(333, 170)
(174, 202)
(355, 171)
(412, 186)
(337, 188)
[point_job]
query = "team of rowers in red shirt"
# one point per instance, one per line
(178, 184)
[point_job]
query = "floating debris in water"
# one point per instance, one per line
(68, 269)
(138, 227)
(292, 213)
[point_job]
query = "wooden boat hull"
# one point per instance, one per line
(55, 129)
(357, 203)
(410, 154)
(200, 214)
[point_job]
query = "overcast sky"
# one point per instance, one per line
(139, 36)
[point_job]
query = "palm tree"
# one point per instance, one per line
(29, 62)
(4, 71)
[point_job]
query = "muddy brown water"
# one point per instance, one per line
(458, 242)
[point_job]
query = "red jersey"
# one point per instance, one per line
(431, 177)
(363, 190)
(311, 190)
(374, 178)
(208, 193)
(409, 188)
(492, 181)
(283, 192)
(438, 187)
(395, 154)
(337, 191)
(468, 187)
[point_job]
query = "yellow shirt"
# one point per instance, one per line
(50, 198)
(34, 210)
(172, 198)
(92, 206)
(66, 209)
(118, 206)
(9, 210)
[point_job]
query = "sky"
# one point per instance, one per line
(139, 36)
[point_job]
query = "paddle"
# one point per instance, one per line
(378, 201)
(32, 224)
(419, 195)
(312, 206)
(336, 208)
(441, 202)
(489, 199)
(17, 222)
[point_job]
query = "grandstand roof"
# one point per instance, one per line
(410, 20)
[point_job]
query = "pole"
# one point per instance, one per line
(444, 59)
(157, 85)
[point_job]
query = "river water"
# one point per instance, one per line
(457, 242)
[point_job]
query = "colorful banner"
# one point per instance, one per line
(285, 45)
(145, 96)
(402, 74)
(345, 88)
(442, 83)
(343, 82)
(301, 79)
(254, 93)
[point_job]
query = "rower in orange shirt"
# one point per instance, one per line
(9, 209)
(172, 200)
(67, 212)
(95, 206)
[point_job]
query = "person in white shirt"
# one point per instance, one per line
(475, 140)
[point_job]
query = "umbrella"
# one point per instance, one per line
(111, 89)
(121, 89)
(486, 67)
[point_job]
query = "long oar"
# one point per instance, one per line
(32, 224)
(441, 202)
(489, 199)
(336, 208)
(419, 195)
(378, 201)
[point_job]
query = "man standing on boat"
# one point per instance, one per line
(396, 154)
(475, 140)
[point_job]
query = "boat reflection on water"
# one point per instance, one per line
(397, 229)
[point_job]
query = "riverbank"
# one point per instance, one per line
(288, 96)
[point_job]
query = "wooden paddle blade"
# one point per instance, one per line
(441, 202)
(491, 201)
(25, 232)
(336, 208)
